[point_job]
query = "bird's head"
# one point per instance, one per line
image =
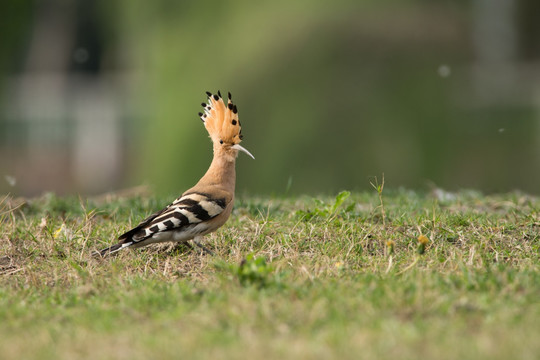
(221, 122)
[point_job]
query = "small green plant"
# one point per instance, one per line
(379, 188)
(325, 210)
(254, 271)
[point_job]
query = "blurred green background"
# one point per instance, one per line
(101, 95)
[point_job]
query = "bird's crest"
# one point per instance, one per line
(221, 120)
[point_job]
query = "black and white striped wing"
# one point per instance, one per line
(185, 213)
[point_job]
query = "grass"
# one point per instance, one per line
(365, 275)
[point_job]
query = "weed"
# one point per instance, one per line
(379, 188)
(254, 271)
(324, 210)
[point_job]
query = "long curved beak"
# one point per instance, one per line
(241, 148)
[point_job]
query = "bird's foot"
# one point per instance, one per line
(204, 249)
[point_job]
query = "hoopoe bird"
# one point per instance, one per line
(207, 205)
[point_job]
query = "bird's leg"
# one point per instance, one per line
(180, 245)
(196, 240)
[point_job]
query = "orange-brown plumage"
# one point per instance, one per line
(221, 121)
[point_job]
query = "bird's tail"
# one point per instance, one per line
(111, 250)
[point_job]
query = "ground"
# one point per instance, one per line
(393, 274)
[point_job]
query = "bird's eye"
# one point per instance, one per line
(221, 141)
